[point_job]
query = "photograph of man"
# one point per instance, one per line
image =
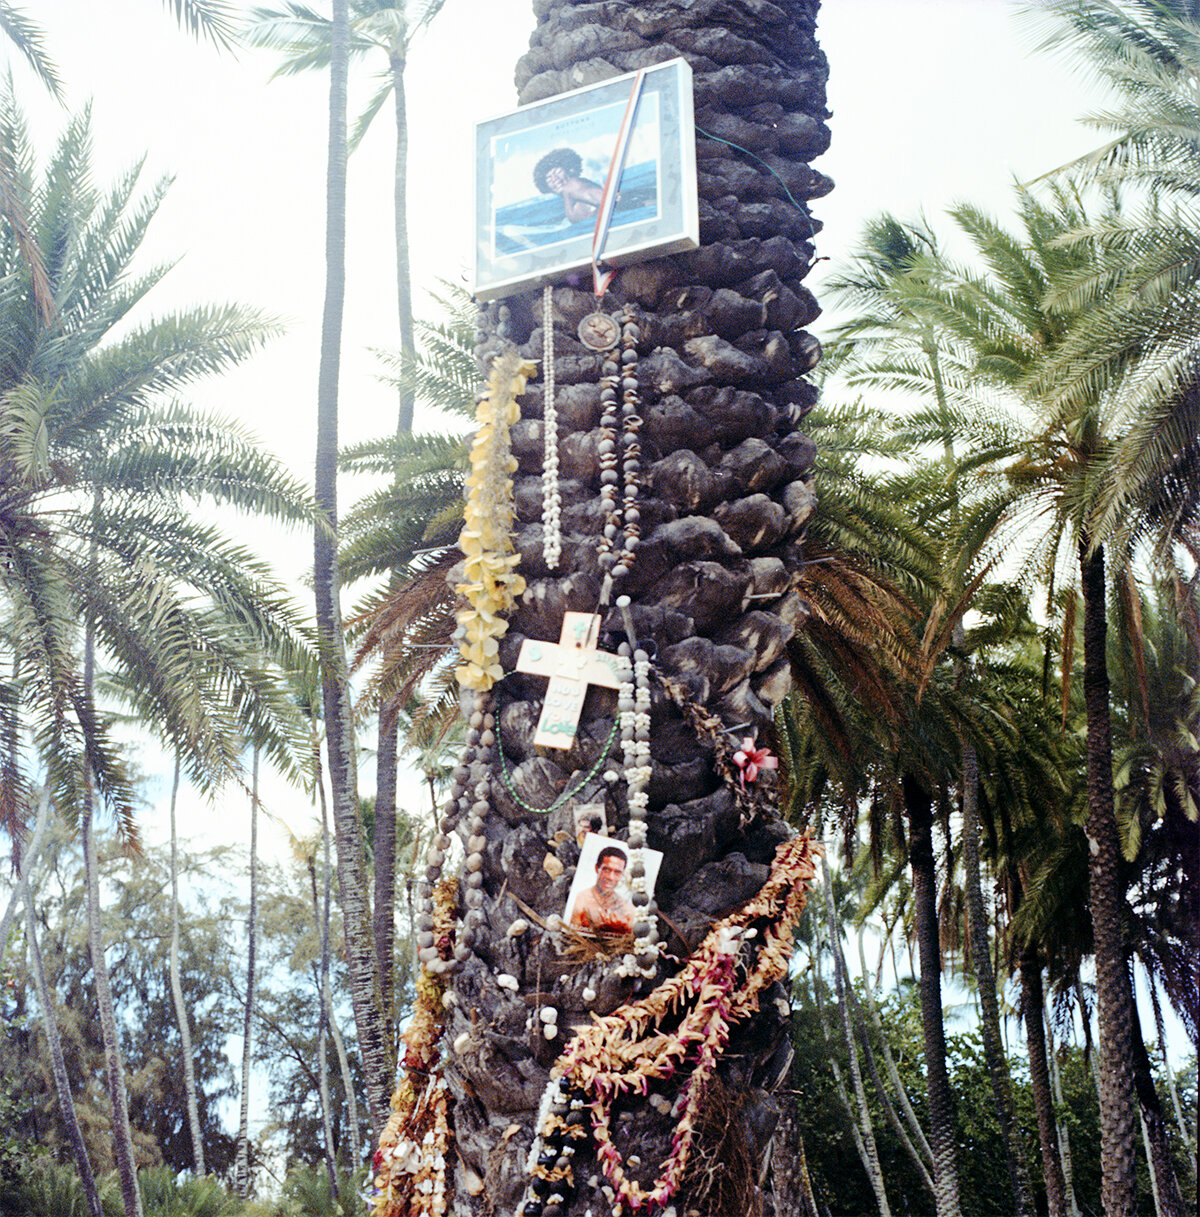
(602, 906)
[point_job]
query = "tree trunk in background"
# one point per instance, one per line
(384, 920)
(114, 1066)
(1154, 1129)
(321, 916)
(985, 986)
(404, 306)
(181, 1012)
(1064, 1135)
(1106, 899)
(365, 994)
(918, 805)
(58, 1064)
(866, 1130)
(241, 1171)
(725, 494)
(1033, 1004)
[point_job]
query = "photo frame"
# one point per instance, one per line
(611, 911)
(534, 225)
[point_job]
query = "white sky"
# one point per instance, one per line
(933, 101)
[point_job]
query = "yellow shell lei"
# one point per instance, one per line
(491, 585)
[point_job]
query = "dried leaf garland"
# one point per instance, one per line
(409, 1166)
(490, 583)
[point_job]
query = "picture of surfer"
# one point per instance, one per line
(558, 172)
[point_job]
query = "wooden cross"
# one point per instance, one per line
(572, 663)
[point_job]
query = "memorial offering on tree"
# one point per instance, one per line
(612, 971)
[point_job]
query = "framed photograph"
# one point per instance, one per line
(540, 173)
(599, 898)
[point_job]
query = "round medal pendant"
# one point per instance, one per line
(599, 331)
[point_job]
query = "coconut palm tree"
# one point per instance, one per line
(365, 990)
(304, 38)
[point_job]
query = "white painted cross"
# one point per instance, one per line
(572, 663)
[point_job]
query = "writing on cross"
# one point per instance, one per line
(572, 664)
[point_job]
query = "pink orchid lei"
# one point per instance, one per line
(629, 1050)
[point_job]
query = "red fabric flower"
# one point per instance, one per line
(750, 760)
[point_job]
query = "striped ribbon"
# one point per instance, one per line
(608, 199)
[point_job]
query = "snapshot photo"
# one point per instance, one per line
(540, 174)
(599, 898)
(589, 817)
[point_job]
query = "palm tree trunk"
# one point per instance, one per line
(339, 1043)
(404, 309)
(241, 1172)
(1033, 1001)
(181, 1014)
(1064, 1135)
(114, 1066)
(1185, 1138)
(919, 805)
(1154, 1129)
(985, 986)
(839, 1084)
(1114, 996)
(323, 1018)
(24, 860)
(866, 1130)
(911, 1134)
(58, 1064)
(365, 994)
(23, 891)
(385, 865)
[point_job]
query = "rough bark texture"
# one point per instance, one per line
(919, 805)
(985, 986)
(1106, 899)
(1033, 1002)
(726, 491)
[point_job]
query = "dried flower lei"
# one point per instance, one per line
(625, 1052)
(491, 585)
(410, 1164)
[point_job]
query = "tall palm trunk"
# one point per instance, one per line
(1154, 1129)
(181, 1013)
(866, 1130)
(365, 994)
(985, 986)
(1064, 1133)
(1106, 898)
(241, 1172)
(386, 753)
(58, 1064)
(323, 1018)
(114, 1066)
(384, 920)
(1033, 1003)
(404, 308)
(918, 803)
